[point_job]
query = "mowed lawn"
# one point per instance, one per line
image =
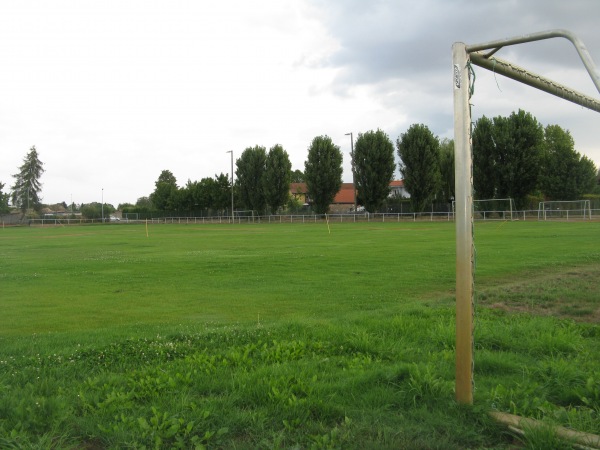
(84, 278)
(291, 335)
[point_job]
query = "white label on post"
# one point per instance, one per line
(456, 76)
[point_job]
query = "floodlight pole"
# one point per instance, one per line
(463, 163)
(231, 151)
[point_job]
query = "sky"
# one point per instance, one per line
(113, 92)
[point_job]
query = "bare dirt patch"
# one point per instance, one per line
(573, 293)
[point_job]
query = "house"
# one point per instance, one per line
(344, 199)
(397, 189)
(299, 192)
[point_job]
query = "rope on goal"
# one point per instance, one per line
(472, 78)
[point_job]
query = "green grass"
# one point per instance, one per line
(290, 336)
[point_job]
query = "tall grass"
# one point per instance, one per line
(268, 336)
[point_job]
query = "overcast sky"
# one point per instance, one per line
(112, 92)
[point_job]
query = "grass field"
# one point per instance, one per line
(292, 336)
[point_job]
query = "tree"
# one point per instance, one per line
(373, 164)
(446, 193)
(27, 188)
(95, 210)
(3, 200)
(565, 174)
(144, 202)
(507, 156)
(187, 197)
(418, 150)
(586, 176)
(250, 169)
(484, 159)
(164, 196)
(277, 178)
(323, 171)
(222, 192)
(519, 140)
(297, 176)
(200, 194)
(293, 205)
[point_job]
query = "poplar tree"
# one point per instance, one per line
(373, 165)
(323, 172)
(446, 171)
(250, 170)
(277, 178)
(484, 159)
(419, 152)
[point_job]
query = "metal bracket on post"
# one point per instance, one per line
(497, 65)
(587, 60)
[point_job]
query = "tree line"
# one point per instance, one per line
(262, 179)
(516, 157)
(513, 156)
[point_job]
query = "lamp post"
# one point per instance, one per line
(102, 206)
(231, 151)
(353, 174)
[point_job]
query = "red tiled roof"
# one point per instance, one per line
(345, 194)
(298, 188)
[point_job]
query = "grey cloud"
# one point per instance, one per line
(401, 51)
(390, 39)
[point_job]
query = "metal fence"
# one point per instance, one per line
(432, 216)
(377, 217)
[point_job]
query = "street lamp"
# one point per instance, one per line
(231, 151)
(353, 175)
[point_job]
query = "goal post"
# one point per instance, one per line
(483, 55)
(492, 208)
(245, 214)
(500, 208)
(465, 254)
(565, 210)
